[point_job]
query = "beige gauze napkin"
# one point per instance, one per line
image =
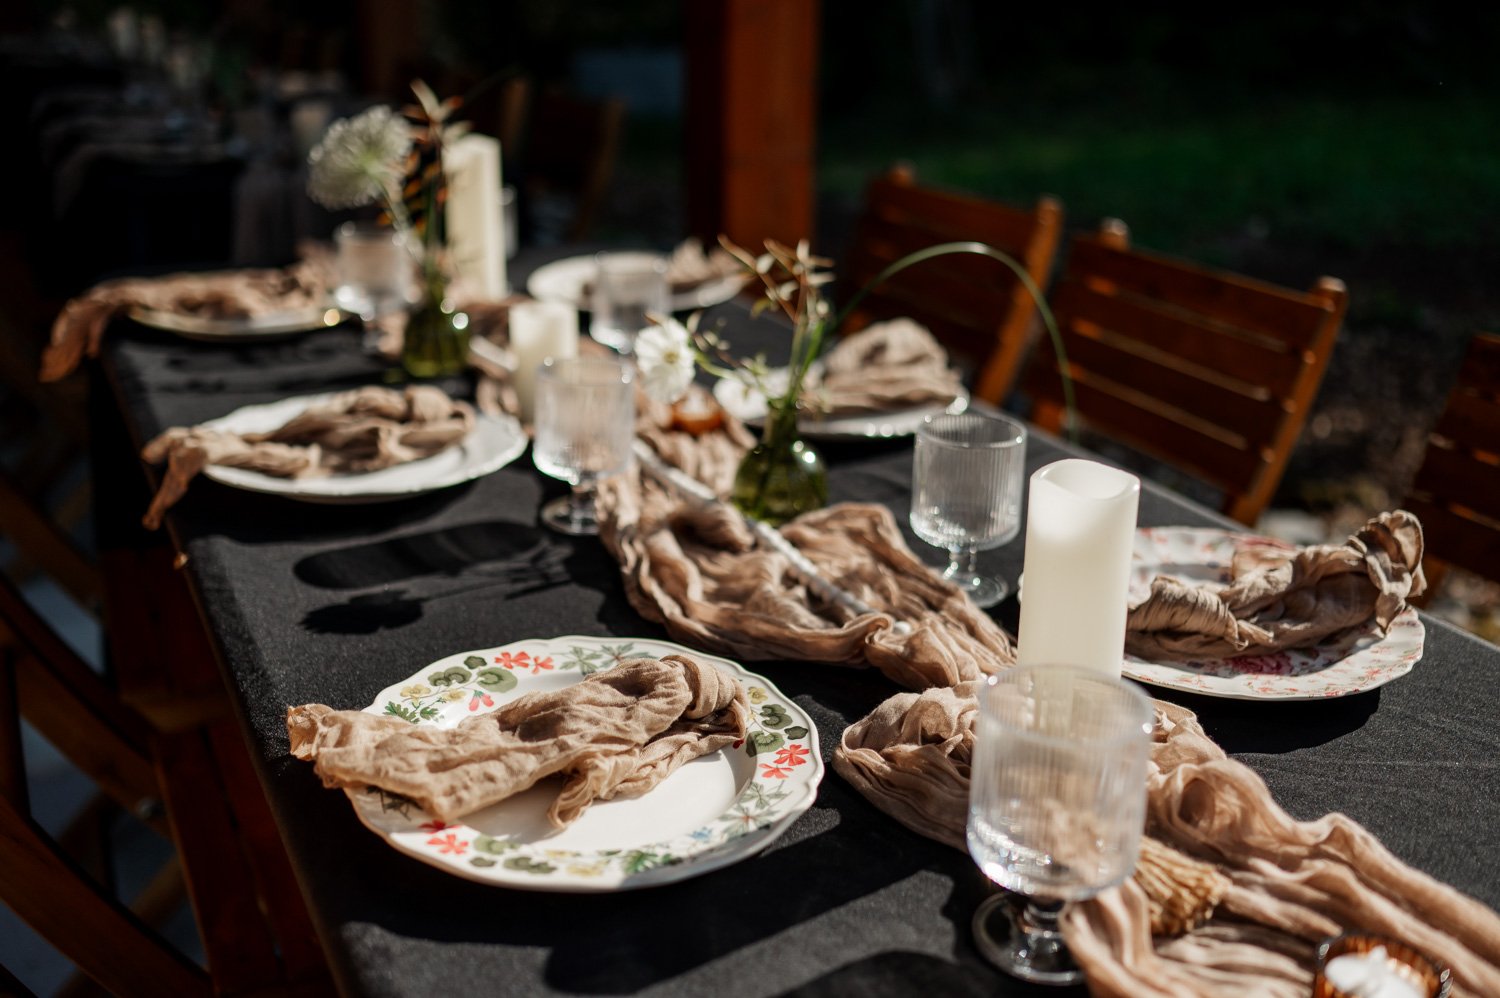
(1283, 597)
(361, 430)
(228, 294)
(697, 570)
(690, 266)
(1273, 886)
(885, 366)
(618, 733)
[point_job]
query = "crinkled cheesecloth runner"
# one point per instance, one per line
(1230, 896)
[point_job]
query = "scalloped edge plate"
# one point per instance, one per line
(494, 442)
(564, 281)
(210, 329)
(716, 810)
(749, 406)
(1202, 555)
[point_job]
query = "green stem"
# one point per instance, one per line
(983, 249)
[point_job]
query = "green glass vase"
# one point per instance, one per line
(783, 476)
(437, 334)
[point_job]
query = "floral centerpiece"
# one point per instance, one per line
(396, 161)
(783, 476)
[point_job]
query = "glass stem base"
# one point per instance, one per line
(1022, 937)
(963, 571)
(574, 514)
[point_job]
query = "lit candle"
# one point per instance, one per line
(473, 215)
(1372, 974)
(1080, 530)
(538, 330)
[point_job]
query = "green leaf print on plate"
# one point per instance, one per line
(713, 811)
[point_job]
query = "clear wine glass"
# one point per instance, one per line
(585, 425)
(628, 287)
(966, 492)
(1057, 802)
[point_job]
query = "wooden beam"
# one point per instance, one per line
(751, 124)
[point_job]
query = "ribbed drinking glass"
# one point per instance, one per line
(967, 476)
(1057, 802)
(585, 425)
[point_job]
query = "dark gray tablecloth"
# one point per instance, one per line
(331, 604)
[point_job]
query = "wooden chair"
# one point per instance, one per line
(161, 744)
(1208, 371)
(44, 681)
(561, 145)
(1456, 493)
(257, 934)
(975, 306)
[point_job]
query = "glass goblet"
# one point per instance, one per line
(967, 474)
(1057, 802)
(628, 287)
(585, 425)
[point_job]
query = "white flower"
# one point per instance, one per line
(359, 159)
(664, 354)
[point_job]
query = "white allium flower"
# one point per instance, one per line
(664, 354)
(359, 158)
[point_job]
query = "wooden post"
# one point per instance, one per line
(751, 118)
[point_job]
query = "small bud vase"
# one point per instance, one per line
(783, 476)
(437, 335)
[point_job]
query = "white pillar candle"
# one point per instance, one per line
(473, 216)
(1080, 530)
(538, 330)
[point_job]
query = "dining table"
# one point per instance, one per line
(316, 603)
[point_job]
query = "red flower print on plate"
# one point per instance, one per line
(511, 661)
(538, 664)
(434, 826)
(792, 755)
(449, 845)
(771, 772)
(480, 697)
(1275, 664)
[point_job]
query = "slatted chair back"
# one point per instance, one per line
(975, 306)
(42, 679)
(44, 545)
(1208, 371)
(1456, 493)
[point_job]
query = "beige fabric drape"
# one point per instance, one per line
(355, 431)
(1255, 888)
(79, 327)
(617, 733)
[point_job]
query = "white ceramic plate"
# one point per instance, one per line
(749, 406)
(713, 811)
(270, 326)
(564, 280)
(1202, 555)
(494, 442)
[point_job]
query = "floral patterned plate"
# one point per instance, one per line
(749, 406)
(716, 810)
(1203, 555)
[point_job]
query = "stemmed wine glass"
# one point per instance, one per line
(628, 288)
(585, 425)
(1057, 802)
(966, 492)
